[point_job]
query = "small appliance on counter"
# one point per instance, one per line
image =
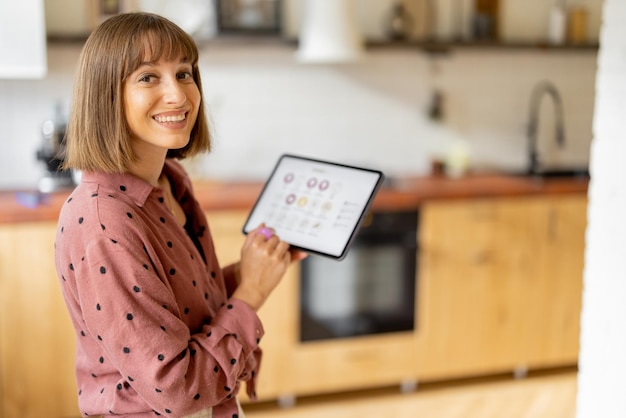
(51, 154)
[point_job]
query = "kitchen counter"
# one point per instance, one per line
(397, 194)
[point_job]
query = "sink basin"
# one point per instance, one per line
(555, 173)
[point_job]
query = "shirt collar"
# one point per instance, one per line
(133, 187)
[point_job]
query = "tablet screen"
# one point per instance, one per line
(315, 205)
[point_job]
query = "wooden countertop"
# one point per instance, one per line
(400, 194)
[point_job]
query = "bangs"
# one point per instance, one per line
(157, 39)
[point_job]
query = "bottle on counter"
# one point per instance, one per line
(485, 20)
(577, 25)
(399, 22)
(557, 23)
(457, 159)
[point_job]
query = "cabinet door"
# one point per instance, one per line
(497, 291)
(466, 283)
(36, 335)
(556, 288)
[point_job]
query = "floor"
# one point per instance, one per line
(541, 395)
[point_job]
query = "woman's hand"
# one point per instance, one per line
(264, 261)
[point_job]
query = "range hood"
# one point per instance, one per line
(329, 32)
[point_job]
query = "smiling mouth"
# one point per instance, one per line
(171, 119)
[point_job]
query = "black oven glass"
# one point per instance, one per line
(371, 291)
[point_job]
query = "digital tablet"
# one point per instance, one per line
(316, 206)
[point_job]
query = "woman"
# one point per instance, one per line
(161, 328)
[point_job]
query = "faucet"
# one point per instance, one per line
(535, 100)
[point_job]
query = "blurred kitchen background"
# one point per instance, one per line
(410, 87)
(433, 80)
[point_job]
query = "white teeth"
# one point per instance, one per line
(169, 119)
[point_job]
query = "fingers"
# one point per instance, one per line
(265, 237)
(282, 247)
(266, 232)
(297, 255)
(263, 234)
(276, 247)
(258, 235)
(264, 262)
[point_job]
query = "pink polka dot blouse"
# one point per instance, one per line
(157, 331)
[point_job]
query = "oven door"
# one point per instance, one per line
(371, 291)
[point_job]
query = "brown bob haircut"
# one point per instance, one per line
(98, 136)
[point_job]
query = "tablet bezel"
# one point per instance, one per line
(247, 228)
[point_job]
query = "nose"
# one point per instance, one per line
(173, 91)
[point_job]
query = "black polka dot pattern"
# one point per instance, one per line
(147, 277)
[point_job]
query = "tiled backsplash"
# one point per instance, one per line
(373, 112)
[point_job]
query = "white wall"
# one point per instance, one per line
(372, 112)
(603, 335)
(22, 40)
(24, 106)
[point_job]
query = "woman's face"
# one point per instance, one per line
(161, 103)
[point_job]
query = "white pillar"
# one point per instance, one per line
(602, 360)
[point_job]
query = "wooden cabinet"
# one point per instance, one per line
(499, 290)
(500, 284)
(499, 287)
(36, 334)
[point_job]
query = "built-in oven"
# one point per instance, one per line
(372, 290)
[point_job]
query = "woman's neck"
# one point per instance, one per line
(149, 166)
(149, 174)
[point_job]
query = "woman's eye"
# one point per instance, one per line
(185, 75)
(146, 78)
